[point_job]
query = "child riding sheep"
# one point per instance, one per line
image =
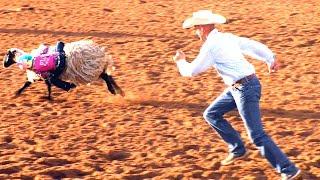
(79, 62)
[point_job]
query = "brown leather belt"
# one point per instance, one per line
(245, 79)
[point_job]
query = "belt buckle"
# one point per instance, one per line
(245, 79)
(236, 85)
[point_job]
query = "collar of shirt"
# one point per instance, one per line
(212, 33)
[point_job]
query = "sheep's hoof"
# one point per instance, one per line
(17, 94)
(119, 91)
(49, 98)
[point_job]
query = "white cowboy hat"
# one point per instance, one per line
(203, 17)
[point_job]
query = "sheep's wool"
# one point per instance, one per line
(85, 62)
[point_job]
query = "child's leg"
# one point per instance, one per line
(62, 84)
(54, 78)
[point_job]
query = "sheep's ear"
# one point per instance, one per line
(12, 52)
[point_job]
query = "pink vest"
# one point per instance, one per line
(45, 62)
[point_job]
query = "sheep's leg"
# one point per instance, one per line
(26, 85)
(49, 89)
(116, 87)
(112, 85)
(106, 78)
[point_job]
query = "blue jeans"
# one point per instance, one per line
(245, 98)
(54, 76)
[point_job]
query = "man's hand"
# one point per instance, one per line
(179, 56)
(274, 67)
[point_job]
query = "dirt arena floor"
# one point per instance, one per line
(157, 130)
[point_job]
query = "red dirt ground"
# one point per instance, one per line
(157, 130)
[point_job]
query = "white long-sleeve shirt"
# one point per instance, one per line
(225, 52)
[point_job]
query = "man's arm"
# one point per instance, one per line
(198, 65)
(259, 51)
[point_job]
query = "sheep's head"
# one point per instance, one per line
(8, 59)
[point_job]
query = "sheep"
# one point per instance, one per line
(85, 62)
